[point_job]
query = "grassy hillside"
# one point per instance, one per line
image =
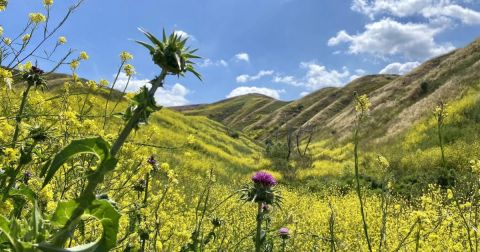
(397, 101)
(237, 112)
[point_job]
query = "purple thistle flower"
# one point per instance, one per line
(151, 160)
(284, 233)
(264, 178)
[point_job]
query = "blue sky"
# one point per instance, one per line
(282, 48)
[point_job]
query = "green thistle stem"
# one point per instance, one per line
(18, 119)
(136, 116)
(258, 235)
(284, 244)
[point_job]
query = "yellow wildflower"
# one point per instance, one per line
(84, 55)
(3, 5)
(129, 70)
(74, 64)
(7, 41)
(92, 84)
(126, 56)
(26, 38)
(104, 83)
(165, 167)
(6, 207)
(62, 40)
(6, 77)
(25, 67)
(449, 194)
(475, 165)
(191, 139)
(37, 18)
(384, 164)
(47, 3)
(362, 104)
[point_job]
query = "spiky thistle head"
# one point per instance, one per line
(262, 190)
(171, 53)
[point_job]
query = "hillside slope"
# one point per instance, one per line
(397, 101)
(237, 112)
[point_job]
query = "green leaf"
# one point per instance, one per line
(109, 217)
(150, 36)
(7, 232)
(103, 211)
(23, 191)
(97, 146)
(38, 223)
(63, 212)
(149, 47)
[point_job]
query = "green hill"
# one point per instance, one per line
(397, 101)
(237, 112)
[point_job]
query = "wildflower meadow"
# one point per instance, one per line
(86, 166)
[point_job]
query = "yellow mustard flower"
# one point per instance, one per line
(62, 40)
(47, 3)
(129, 70)
(362, 103)
(26, 38)
(84, 55)
(103, 83)
(125, 56)
(37, 18)
(7, 41)
(74, 64)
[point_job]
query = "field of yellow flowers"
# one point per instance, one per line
(84, 167)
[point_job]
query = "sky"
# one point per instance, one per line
(281, 48)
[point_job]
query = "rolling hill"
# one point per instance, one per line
(397, 101)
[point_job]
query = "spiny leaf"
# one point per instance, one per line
(149, 47)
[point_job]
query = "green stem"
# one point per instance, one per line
(359, 193)
(123, 93)
(110, 93)
(85, 102)
(135, 117)
(440, 139)
(88, 195)
(258, 236)
(18, 119)
(13, 177)
(147, 178)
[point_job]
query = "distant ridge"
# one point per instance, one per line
(397, 101)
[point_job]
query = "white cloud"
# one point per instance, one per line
(399, 68)
(430, 9)
(274, 93)
(246, 78)
(358, 73)
(184, 35)
(353, 77)
(466, 16)
(319, 76)
(302, 94)
(342, 36)
(208, 62)
(388, 37)
(242, 57)
(291, 80)
(173, 96)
